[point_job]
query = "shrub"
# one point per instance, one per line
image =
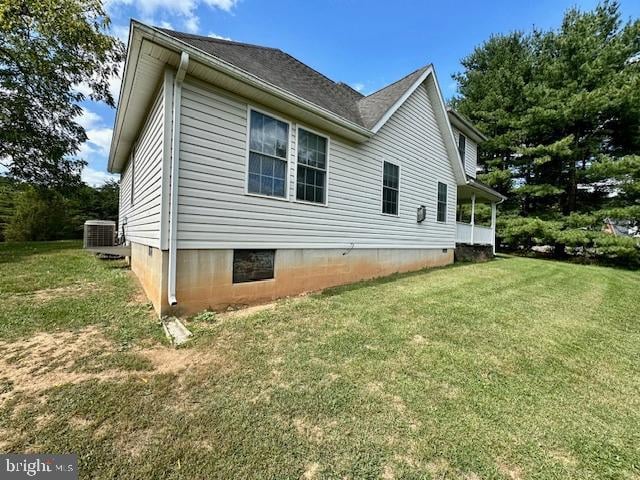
(39, 215)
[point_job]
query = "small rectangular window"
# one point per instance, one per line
(253, 265)
(442, 202)
(462, 146)
(311, 183)
(390, 188)
(268, 147)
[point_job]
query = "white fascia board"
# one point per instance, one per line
(441, 111)
(401, 100)
(448, 137)
(130, 66)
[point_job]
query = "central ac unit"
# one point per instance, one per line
(99, 233)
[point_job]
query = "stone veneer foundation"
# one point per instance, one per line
(204, 277)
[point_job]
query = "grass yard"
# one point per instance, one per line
(514, 369)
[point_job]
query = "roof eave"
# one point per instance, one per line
(464, 125)
(140, 31)
(133, 50)
(485, 188)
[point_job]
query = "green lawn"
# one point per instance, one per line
(517, 368)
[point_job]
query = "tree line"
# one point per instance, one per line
(561, 108)
(34, 213)
(562, 111)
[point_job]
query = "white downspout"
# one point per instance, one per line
(175, 169)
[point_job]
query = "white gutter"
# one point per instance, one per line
(175, 169)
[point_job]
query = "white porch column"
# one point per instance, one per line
(493, 226)
(473, 215)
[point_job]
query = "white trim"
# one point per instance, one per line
(397, 164)
(473, 216)
(299, 126)
(447, 135)
(493, 226)
(446, 202)
(204, 245)
(401, 100)
(287, 176)
(459, 171)
(140, 31)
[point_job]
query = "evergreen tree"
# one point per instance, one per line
(562, 108)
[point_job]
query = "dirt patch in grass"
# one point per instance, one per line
(47, 360)
(510, 471)
(73, 290)
(311, 471)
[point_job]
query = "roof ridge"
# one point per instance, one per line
(233, 42)
(424, 67)
(218, 40)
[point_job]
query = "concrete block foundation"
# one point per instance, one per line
(473, 253)
(204, 277)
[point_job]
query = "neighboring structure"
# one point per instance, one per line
(621, 228)
(247, 176)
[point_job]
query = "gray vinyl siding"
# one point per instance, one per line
(143, 217)
(215, 212)
(471, 154)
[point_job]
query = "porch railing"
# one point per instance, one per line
(473, 234)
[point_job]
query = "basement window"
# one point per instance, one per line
(253, 265)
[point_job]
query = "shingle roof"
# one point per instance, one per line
(373, 107)
(282, 70)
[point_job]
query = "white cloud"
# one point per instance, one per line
(95, 178)
(187, 9)
(358, 86)
(219, 37)
(99, 140)
(226, 5)
(114, 85)
(192, 24)
(88, 119)
(121, 32)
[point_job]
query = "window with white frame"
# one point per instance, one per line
(390, 188)
(442, 202)
(268, 155)
(462, 146)
(311, 185)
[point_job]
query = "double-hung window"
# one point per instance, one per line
(462, 146)
(268, 149)
(311, 183)
(442, 202)
(390, 188)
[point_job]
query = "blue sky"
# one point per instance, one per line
(366, 44)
